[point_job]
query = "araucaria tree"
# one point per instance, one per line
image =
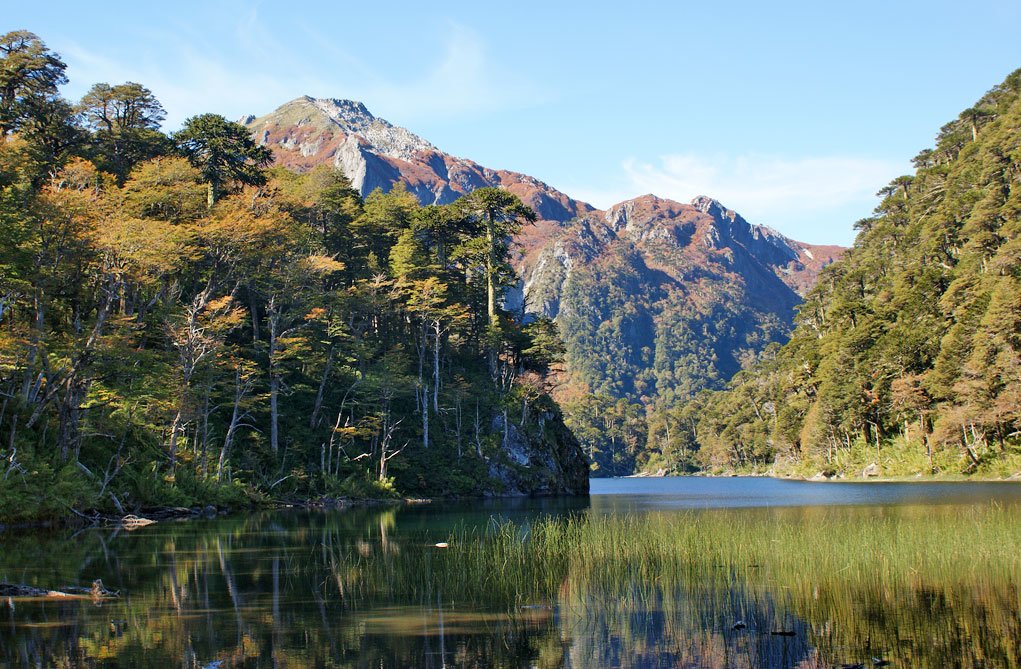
(223, 152)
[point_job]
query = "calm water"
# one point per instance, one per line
(645, 494)
(369, 587)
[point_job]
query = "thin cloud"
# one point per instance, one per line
(462, 81)
(459, 79)
(765, 187)
(813, 199)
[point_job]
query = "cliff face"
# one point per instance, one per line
(545, 459)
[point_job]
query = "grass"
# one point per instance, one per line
(920, 584)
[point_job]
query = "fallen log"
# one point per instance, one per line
(131, 522)
(96, 592)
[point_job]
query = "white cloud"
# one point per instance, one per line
(254, 73)
(763, 186)
(814, 198)
(463, 81)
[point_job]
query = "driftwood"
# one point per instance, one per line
(134, 522)
(97, 592)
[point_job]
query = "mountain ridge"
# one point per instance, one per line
(372, 152)
(304, 133)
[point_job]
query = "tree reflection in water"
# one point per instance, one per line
(369, 588)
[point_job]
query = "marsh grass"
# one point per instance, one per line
(923, 586)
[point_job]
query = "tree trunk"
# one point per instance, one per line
(425, 417)
(318, 406)
(490, 271)
(253, 309)
(492, 323)
(240, 390)
(274, 378)
(175, 429)
(436, 366)
(205, 435)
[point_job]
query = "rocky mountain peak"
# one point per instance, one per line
(308, 124)
(382, 136)
(647, 208)
(353, 110)
(712, 207)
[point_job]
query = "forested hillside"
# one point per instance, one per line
(907, 354)
(180, 324)
(656, 299)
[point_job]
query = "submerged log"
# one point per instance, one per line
(96, 592)
(134, 522)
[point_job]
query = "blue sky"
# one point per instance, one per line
(792, 113)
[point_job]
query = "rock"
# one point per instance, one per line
(870, 471)
(541, 458)
(210, 510)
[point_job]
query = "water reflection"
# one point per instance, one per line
(369, 588)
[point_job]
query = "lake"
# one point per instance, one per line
(671, 572)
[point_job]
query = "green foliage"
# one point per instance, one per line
(906, 353)
(193, 330)
(223, 152)
(652, 341)
(29, 76)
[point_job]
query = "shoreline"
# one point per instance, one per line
(908, 478)
(177, 514)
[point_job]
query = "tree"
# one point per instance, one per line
(224, 152)
(52, 134)
(29, 72)
(500, 215)
(125, 121)
(127, 106)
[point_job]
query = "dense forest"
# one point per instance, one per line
(677, 299)
(182, 324)
(906, 356)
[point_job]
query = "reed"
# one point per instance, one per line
(924, 585)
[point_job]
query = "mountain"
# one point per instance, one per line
(373, 153)
(906, 358)
(684, 241)
(656, 299)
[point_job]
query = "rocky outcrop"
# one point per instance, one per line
(538, 459)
